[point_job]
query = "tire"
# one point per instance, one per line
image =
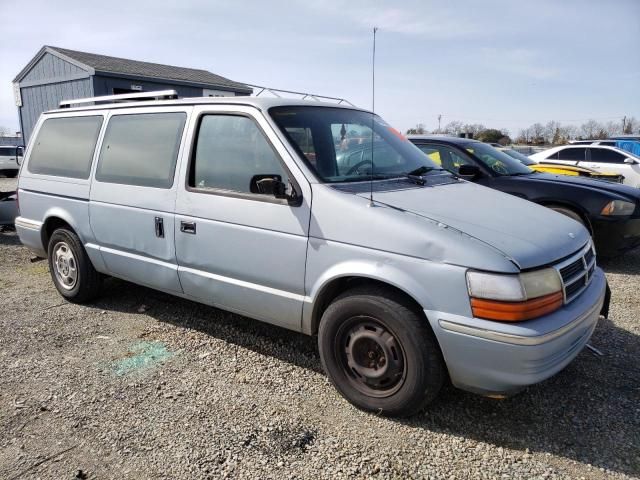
(379, 352)
(569, 213)
(11, 173)
(71, 270)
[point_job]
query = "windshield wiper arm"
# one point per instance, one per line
(417, 175)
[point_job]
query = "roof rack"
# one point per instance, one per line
(304, 96)
(159, 95)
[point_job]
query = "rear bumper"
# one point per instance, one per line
(500, 358)
(614, 237)
(30, 233)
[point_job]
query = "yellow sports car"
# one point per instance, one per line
(561, 169)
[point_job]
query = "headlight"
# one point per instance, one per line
(514, 297)
(618, 207)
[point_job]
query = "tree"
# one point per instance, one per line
(590, 129)
(552, 132)
(453, 128)
(491, 135)
(537, 133)
(631, 125)
(417, 130)
(4, 131)
(568, 132)
(613, 128)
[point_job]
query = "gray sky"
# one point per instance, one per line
(505, 64)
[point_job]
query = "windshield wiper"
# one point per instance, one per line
(417, 175)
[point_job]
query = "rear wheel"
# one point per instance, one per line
(11, 173)
(380, 353)
(71, 270)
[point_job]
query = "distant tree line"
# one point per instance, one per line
(473, 130)
(553, 133)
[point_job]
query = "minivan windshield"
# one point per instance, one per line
(344, 145)
(498, 161)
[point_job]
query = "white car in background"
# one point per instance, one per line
(10, 159)
(597, 157)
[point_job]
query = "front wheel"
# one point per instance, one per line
(71, 270)
(380, 353)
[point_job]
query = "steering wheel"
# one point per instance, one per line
(499, 168)
(357, 166)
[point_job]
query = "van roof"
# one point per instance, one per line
(261, 103)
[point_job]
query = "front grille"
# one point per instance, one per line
(570, 270)
(576, 272)
(588, 257)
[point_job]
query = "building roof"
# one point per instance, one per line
(123, 66)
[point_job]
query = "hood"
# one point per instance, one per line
(589, 183)
(528, 234)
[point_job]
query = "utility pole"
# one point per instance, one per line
(439, 118)
(624, 123)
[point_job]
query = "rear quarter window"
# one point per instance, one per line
(64, 147)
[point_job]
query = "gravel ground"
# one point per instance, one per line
(144, 385)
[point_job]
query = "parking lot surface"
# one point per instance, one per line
(140, 384)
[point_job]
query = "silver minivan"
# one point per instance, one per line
(409, 275)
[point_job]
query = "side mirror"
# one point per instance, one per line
(469, 172)
(630, 161)
(268, 185)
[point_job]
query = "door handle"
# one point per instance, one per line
(159, 227)
(188, 227)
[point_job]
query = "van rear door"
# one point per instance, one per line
(133, 195)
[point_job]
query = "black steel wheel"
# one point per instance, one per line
(371, 356)
(379, 351)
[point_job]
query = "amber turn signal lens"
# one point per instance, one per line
(516, 311)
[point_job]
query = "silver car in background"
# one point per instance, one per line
(408, 274)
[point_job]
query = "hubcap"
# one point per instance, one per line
(371, 357)
(65, 266)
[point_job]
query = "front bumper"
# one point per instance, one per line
(614, 237)
(489, 357)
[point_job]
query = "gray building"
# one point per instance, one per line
(57, 74)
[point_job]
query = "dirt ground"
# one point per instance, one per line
(144, 385)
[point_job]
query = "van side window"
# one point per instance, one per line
(230, 149)
(64, 147)
(141, 149)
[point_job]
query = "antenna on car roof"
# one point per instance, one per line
(373, 112)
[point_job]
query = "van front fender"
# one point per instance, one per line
(429, 284)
